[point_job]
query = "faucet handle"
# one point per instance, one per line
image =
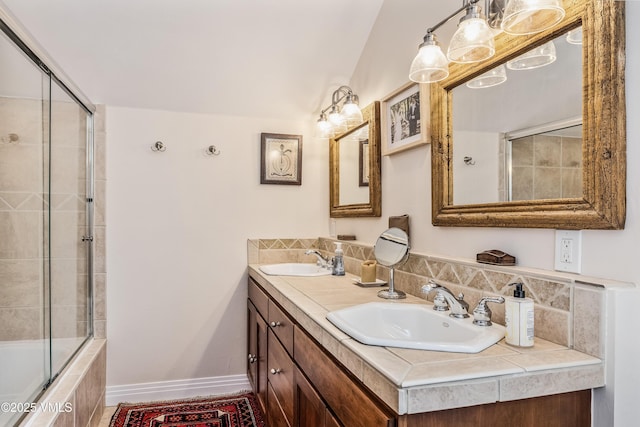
(440, 303)
(482, 312)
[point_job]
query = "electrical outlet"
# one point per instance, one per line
(568, 251)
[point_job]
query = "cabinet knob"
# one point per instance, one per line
(275, 371)
(275, 324)
(252, 358)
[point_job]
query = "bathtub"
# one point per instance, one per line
(24, 371)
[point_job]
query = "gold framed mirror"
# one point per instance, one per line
(602, 184)
(354, 168)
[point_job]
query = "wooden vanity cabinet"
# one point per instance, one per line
(288, 397)
(257, 357)
(299, 384)
(309, 407)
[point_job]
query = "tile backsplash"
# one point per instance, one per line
(560, 299)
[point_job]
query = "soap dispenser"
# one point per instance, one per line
(338, 261)
(518, 315)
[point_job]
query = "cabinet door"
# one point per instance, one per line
(275, 414)
(309, 408)
(330, 420)
(281, 376)
(252, 346)
(257, 357)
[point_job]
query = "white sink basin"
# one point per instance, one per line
(294, 269)
(414, 326)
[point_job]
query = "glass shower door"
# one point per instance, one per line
(24, 134)
(69, 226)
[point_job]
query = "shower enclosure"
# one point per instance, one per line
(46, 203)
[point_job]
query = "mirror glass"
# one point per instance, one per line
(354, 164)
(545, 98)
(568, 115)
(392, 247)
(543, 165)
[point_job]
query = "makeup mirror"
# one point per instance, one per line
(392, 249)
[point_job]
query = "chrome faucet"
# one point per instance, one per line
(445, 300)
(482, 313)
(322, 261)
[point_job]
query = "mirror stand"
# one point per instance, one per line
(391, 293)
(391, 250)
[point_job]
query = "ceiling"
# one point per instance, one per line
(258, 58)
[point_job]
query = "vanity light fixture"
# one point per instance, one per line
(575, 36)
(344, 113)
(493, 77)
(538, 57)
(523, 17)
(473, 40)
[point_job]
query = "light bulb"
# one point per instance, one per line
(337, 121)
(351, 114)
(472, 41)
(324, 130)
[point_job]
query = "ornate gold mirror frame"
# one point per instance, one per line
(603, 203)
(371, 115)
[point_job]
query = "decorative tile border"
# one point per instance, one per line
(553, 294)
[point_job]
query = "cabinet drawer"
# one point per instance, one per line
(281, 325)
(281, 376)
(259, 298)
(348, 400)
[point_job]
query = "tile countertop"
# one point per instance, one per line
(414, 381)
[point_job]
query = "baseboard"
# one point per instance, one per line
(177, 389)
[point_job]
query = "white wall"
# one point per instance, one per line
(176, 241)
(478, 182)
(406, 188)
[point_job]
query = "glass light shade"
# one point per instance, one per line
(430, 65)
(472, 42)
(575, 36)
(351, 114)
(324, 130)
(493, 77)
(337, 121)
(539, 57)
(531, 16)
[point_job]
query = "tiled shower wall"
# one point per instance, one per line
(21, 214)
(567, 311)
(546, 167)
(24, 214)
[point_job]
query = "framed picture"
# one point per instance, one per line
(363, 170)
(280, 159)
(405, 118)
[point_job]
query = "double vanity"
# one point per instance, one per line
(297, 353)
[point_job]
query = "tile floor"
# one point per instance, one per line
(106, 416)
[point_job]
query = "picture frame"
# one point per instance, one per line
(408, 105)
(280, 159)
(363, 163)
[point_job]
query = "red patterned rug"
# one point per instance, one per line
(240, 410)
